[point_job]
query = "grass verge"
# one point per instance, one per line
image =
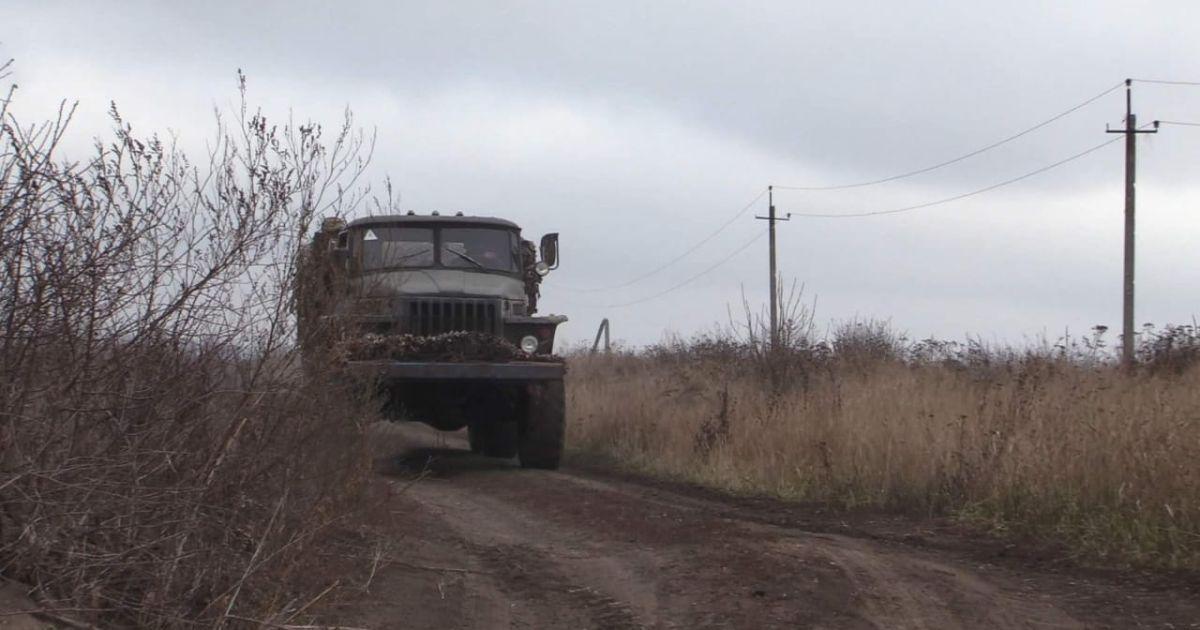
(1053, 443)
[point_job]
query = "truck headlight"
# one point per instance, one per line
(541, 268)
(529, 344)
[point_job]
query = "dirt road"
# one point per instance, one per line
(483, 544)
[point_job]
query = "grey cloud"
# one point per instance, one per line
(680, 112)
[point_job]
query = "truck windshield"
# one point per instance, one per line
(397, 247)
(490, 249)
(479, 248)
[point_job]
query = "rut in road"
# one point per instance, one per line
(487, 545)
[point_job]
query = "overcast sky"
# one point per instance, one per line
(636, 130)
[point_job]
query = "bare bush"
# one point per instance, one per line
(163, 464)
(867, 343)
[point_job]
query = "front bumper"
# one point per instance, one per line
(459, 371)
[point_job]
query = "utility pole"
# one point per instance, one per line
(771, 219)
(1130, 132)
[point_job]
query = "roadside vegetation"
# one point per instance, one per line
(165, 459)
(1055, 442)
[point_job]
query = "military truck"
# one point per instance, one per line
(420, 278)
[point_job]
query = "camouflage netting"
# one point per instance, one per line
(453, 346)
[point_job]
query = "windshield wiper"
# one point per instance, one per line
(465, 257)
(407, 256)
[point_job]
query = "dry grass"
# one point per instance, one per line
(1055, 443)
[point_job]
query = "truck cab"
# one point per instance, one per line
(428, 275)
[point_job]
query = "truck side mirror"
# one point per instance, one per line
(340, 251)
(549, 250)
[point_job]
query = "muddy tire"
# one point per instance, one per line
(540, 443)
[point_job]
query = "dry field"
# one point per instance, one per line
(1056, 443)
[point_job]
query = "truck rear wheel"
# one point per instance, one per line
(540, 443)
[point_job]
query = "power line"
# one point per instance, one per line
(680, 257)
(960, 196)
(1179, 123)
(688, 281)
(966, 155)
(920, 171)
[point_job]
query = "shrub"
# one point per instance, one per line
(164, 462)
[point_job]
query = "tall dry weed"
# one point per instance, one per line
(1038, 442)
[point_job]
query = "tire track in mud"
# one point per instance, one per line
(911, 593)
(576, 549)
(527, 575)
(545, 575)
(894, 591)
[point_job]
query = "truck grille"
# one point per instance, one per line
(436, 316)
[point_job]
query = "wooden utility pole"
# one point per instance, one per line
(1130, 132)
(771, 219)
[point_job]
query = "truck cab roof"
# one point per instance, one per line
(427, 219)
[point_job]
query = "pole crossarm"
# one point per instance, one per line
(1154, 130)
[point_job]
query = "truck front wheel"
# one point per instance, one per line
(540, 442)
